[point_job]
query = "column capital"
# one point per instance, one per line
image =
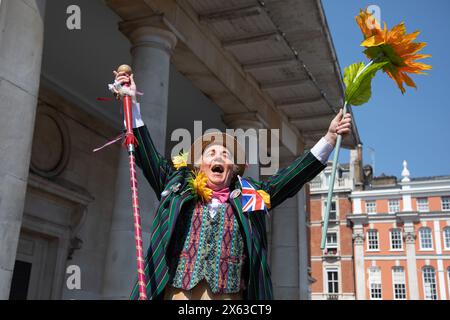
(410, 237)
(358, 237)
(152, 31)
(244, 120)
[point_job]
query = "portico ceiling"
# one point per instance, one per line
(272, 58)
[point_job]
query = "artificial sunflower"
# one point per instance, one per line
(197, 184)
(396, 46)
(180, 161)
(393, 51)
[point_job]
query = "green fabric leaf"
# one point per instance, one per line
(351, 71)
(359, 85)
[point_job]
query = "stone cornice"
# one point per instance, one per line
(62, 189)
(400, 217)
(358, 219)
(201, 57)
(244, 120)
(379, 194)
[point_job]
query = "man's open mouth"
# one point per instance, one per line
(217, 168)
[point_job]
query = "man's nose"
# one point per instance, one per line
(219, 159)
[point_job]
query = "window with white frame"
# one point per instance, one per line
(333, 211)
(332, 240)
(426, 238)
(429, 283)
(422, 205)
(332, 281)
(375, 283)
(371, 207)
(394, 206)
(372, 240)
(445, 203)
(447, 238)
(399, 282)
(396, 239)
(448, 278)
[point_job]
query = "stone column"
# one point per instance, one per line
(410, 240)
(247, 125)
(303, 244)
(286, 253)
(360, 270)
(21, 45)
(441, 272)
(151, 52)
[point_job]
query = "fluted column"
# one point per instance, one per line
(21, 45)
(360, 272)
(151, 52)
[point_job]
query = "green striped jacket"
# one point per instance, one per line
(162, 176)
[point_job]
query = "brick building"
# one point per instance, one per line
(390, 239)
(332, 269)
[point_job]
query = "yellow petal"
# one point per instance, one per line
(397, 31)
(373, 41)
(410, 37)
(417, 56)
(368, 24)
(409, 82)
(398, 81)
(410, 48)
(421, 66)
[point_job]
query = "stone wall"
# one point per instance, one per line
(66, 134)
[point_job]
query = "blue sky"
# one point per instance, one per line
(415, 126)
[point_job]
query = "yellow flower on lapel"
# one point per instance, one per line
(180, 161)
(265, 196)
(197, 184)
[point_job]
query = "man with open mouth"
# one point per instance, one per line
(207, 242)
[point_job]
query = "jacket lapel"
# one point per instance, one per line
(245, 223)
(175, 207)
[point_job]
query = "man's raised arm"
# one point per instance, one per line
(155, 167)
(288, 181)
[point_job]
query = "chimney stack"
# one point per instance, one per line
(356, 165)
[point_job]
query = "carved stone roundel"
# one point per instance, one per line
(49, 154)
